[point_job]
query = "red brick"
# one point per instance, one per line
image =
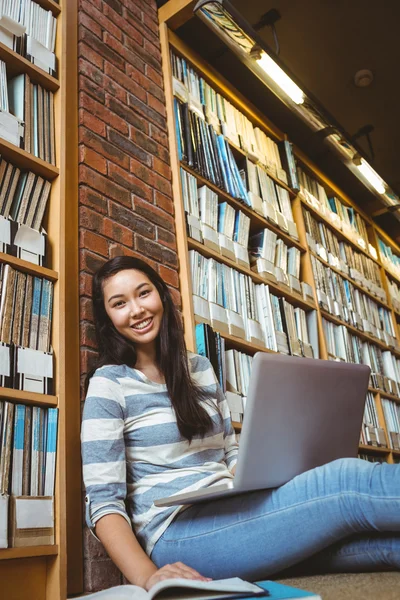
(86, 309)
(124, 53)
(90, 262)
(127, 82)
(115, 231)
(92, 159)
(91, 88)
(85, 21)
(101, 574)
(104, 185)
(130, 181)
(166, 238)
(130, 116)
(154, 214)
(155, 76)
(104, 48)
(114, 4)
(92, 199)
(145, 82)
(162, 168)
(156, 251)
(90, 219)
(151, 23)
(156, 104)
(158, 135)
(87, 335)
(176, 296)
(130, 219)
(148, 144)
(103, 113)
(164, 202)
(170, 276)
(88, 360)
(91, 55)
(119, 250)
(147, 111)
(102, 146)
(92, 123)
(101, 19)
(85, 284)
(154, 51)
(92, 241)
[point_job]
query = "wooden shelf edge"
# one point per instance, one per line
(237, 426)
(28, 397)
(28, 552)
(50, 5)
(17, 64)
(297, 300)
(28, 267)
(25, 160)
(374, 449)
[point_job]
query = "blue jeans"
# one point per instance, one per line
(343, 516)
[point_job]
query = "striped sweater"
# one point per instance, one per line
(133, 452)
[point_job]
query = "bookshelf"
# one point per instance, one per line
(364, 244)
(43, 572)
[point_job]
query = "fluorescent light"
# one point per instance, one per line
(371, 176)
(279, 76)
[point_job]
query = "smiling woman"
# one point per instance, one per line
(156, 423)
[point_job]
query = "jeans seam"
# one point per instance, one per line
(277, 511)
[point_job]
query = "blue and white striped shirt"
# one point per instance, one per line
(133, 452)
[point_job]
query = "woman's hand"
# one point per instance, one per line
(174, 571)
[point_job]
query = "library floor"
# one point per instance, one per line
(350, 586)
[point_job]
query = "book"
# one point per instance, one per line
(191, 589)
(184, 589)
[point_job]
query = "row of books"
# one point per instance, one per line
(390, 259)
(391, 410)
(202, 98)
(28, 443)
(342, 299)
(372, 458)
(33, 106)
(341, 216)
(268, 198)
(232, 303)
(231, 367)
(216, 224)
(356, 265)
(202, 149)
(23, 195)
(274, 260)
(26, 304)
(28, 440)
(344, 345)
(29, 30)
(394, 293)
(371, 432)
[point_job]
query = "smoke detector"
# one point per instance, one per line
(363, 78)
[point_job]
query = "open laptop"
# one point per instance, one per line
(300, 413)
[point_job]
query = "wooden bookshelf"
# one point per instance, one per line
(17, 64)
(46, 572)
(172, 15)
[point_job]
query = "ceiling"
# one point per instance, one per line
(324, 43)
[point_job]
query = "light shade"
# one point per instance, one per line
(279, 76)
(370, 175)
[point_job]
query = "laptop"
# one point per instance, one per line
(300, 413)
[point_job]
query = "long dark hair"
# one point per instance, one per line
(192, 418)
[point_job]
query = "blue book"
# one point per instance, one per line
(201, 344)
(18, 450)
(221, 216)
(51, 449)
(279, 591)
(178, 129)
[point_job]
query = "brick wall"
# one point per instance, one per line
(124, 175)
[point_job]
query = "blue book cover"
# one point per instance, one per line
(279, 591)
(177, 128)
(223, 160)
(201, 339)
(221, 216)
(18, 449)
(51, 448)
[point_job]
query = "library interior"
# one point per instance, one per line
(247, 151)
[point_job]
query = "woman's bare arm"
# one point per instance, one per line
(125, 551)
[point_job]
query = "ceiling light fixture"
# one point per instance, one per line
(370, 175)
(229, 25)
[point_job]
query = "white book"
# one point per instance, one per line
(206, 590)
